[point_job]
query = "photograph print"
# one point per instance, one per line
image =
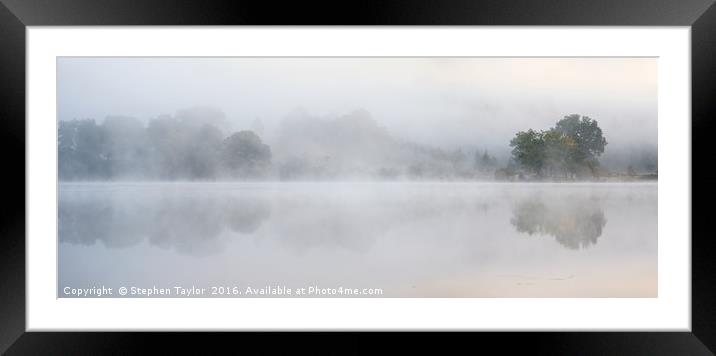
(357, 177)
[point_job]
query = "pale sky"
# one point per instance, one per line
(448, 102)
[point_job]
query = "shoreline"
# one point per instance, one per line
(333, 182)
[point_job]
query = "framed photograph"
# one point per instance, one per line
(452, 167)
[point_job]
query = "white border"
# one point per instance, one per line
(670, 311)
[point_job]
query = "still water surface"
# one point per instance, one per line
(407, 239)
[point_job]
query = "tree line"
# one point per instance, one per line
(168, 147)
(195, 145)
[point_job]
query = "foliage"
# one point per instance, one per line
(82, 152)
(187, 146)
(181, 150)
(586, 134)
(245, 155)
(566, 150)
(529, 150)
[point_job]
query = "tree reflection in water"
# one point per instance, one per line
(575, 223)
(187, 223)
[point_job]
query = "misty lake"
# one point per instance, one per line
(407, 239)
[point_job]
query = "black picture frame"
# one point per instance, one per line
(16, 15)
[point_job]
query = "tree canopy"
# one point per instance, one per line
(245, 155)
(571, 148)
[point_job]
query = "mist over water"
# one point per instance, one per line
(410, 239)
(421, 177)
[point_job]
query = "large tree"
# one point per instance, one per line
(184, 150)
(245, 156)
(82, 150)
(560, 150)
(571, 147)
(528, 149)
(587, 136)
(126, 142)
